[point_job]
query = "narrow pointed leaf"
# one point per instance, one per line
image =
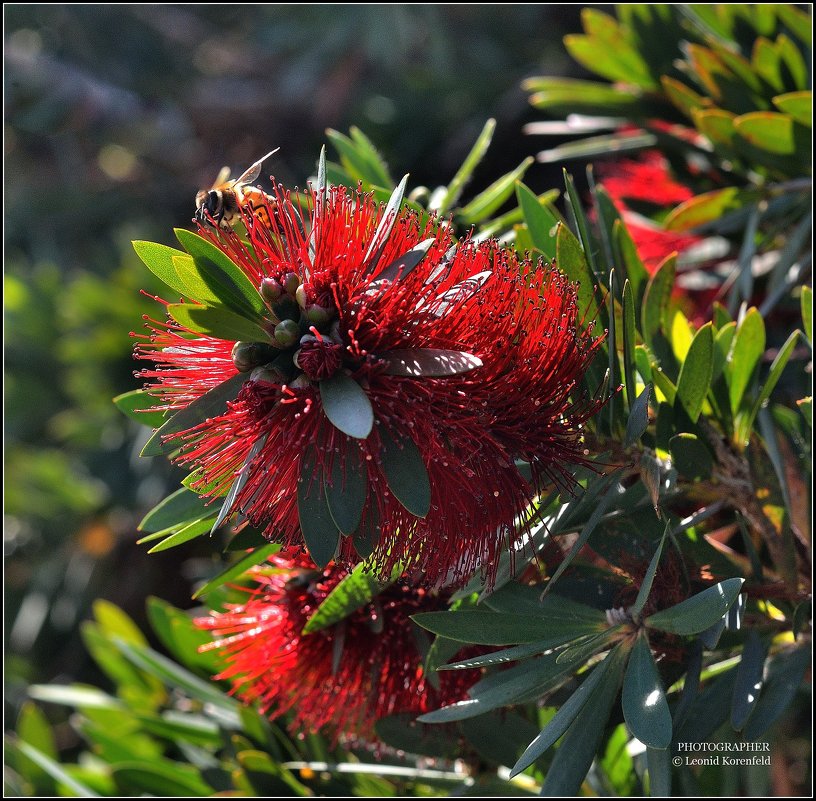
(186, 533)
(346, 489)
(211, 289)
(367, 535)
(406, 474)
(629, 344)
(698, 612)
(695, 374)
(502, 657)
(488, 201)
(386, 226)
(574, 202)
(54, 769)
(353, 592)
(748, 684)
(402, 266)
(746, 351)
(658, 764)
(628, 257)
(346, 405)
(648, 579)
(462, 176)
(656, 299)
(638, 420)
(240, 482)
(218, 322)
(238, 568)
(181, 507)
(138, 405)
(541, 221)
(319, 530)
(645, 708)
(211, 404)
(428, 362)
(571, 260)
(159, 260)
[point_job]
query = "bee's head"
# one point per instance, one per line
(209, 203)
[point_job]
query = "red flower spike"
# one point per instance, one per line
(341, 679)
(510, 395)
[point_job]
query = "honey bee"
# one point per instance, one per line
(225, 199)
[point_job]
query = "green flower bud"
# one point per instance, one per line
(244, 356)
(317, 314)
(271, 290)
(300, 296)
(267, 374)
(291, 283)
(287, 333)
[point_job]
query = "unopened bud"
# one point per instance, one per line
(271, 290)
(291, 283)
(301, 382)
(300, 296)
(286, 308)
(287, 333)
(317, 314)
(268, 374)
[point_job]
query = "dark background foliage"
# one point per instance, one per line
(115, 116)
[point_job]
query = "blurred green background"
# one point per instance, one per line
(115, 116)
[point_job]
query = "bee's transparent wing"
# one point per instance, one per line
(255, 170)
(222, 177)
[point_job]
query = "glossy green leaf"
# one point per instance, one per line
(493, 628)
(571, 96)
(699, 612)
(406, 263)
(768, 130)
(695, 373)
(116, 623)
(707, 208)
(454, 189)
(716, 124)
(406, 474)
(690, 456)
(658, 762)
(682, 96)
(138, 405)
(582, 720)
(375, 165)
(489, 200)
(746, 351)
(33, 728)
(798, 105)
(211, 404)
(54, 770)
(346, 405)
(806, 303)
(579, 650)
(215, 321)
(749, 680)
(541, 221)
(656, 299)
(183, 506)
(207, 286)
(178, 634)
(428, 362)
(160, 778)
(75, 695)
(241, 566)
(502, 657)
(630, 262)
(629, 344)
(784, 677)
(356, 590)
(159, 260)
(723, 343)
(638, 420)
(320, 532)
(571, 261)
(385, 226)
(648, 578)
(645, 708)
(186, 533)
(345, 489)
(184, 727)
(367, 536)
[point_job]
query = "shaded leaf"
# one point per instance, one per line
(346, 489)
(644, 701)
(648, 579)
(138, 405)
(406, 474)
(656, 299)
(748, 683)
(241, 566)
(320, 533)
(183, 506)
(700, 611)
(638, 420)
(695, 373)
(428, 362)
(707, 208)
(215, 321)
(346, 405)
(690, 456)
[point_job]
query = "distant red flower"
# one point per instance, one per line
(341, 679)
(465, 358)
(646, 178)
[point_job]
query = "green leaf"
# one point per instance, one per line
(493, 628)
(428, 362)
(181, 726)
(241, 566)
(648, 579)
(221, 275)
(214, 321)
(749, 680)
(798, 105)
(367, 535)
(138, 405)
(582, 738)
(205, 285)
(699, 612)
(784, 677)
(638, 420)
(159, 260)
(695, 373)
(572, 262)
(659, 769)
(807, 312)
(375, 165)
(406, 474)
(178, 634)
(385, 227)
(570, 96)
(356, 590)
(211, 404)
(163, 779)
(629, 259)
(722, 347)
(186, 533)
(656, 299)
(116, 623)
(578, 651)
(769, 131)
(541, 221)
(346, 405)
(243, 475)
(488, 201)
(690, 456)
(403, 265)
(463, 174)
(54, 770)
(76, 695)
(502, 657)
(774, 374)
(746, 351)
(574, 204)
(320, 533)
(629, 343)
(644, 701)
(346, 489)
(183, 506)
(360, 157)
(33, 728)
(707, 208)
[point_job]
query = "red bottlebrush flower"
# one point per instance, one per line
(341, 679)
(401, 379)
(654, 243)
(646, 179)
